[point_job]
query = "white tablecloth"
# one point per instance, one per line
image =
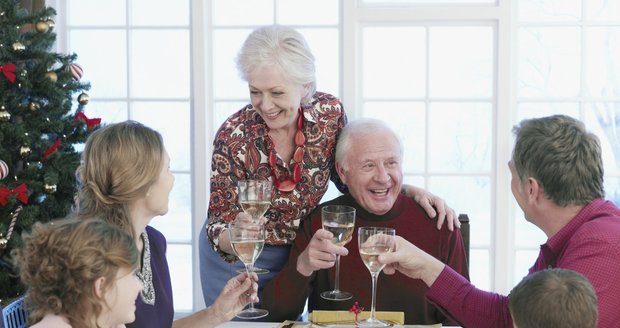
(249, 324)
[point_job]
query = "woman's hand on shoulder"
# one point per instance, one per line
(434, 206)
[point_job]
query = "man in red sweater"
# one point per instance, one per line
(557, 180)
(368, 161)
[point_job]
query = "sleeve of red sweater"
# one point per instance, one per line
(469, 306)
(285, 295)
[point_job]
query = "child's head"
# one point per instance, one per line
(554, 298)
(79, 269)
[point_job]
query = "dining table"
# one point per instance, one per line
(300, 324)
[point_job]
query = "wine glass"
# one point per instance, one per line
(372, 242)
(255, 199)
(340, 221)
(248, 239)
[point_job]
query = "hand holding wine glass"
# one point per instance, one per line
(340, 221)
(248, 239)
(372, 242)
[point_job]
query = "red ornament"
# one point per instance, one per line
(76, 71)
(4, 169)
(8, 71)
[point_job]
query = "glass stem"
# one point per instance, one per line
(374, 295)
(337, 282)
(249, 267)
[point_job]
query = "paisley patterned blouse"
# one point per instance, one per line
(241, 151)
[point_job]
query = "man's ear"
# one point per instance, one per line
(340, 171)
(533, 190)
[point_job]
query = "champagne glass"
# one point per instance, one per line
(255, 199)
(372, 242)
(248, 239)
(340, 221)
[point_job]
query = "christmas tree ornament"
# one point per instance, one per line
(75, 70)
(24, 151)
(51, 75)
(4, 115)
(41, 27)
(4, 169)
(3, 242)
(83, 98)
(8, 71)
(49, 188)
(50, 22)
(14, 216)
(34, 106)
(18, 46)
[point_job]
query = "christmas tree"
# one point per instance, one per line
(42, 119)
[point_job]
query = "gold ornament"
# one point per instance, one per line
(51, 75)
(4, 115)
(25, 151)
(18, 46)
(3, 242)
(83, 98)
(42, 26)
(34, 106)
(49, 189)
(50, 22)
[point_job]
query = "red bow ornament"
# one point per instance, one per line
(9, 72)
(90, 122)
(51, 149)
(20, 192)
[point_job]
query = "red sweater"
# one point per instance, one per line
(285, 295)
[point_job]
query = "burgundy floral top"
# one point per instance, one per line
(241, 151)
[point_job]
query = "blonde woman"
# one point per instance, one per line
(125, 179)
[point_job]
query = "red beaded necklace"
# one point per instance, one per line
(288, 185)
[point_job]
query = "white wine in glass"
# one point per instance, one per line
(255, 199)
(340, 221)
(248, 239)
(372, 242)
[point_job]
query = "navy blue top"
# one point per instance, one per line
(161, 313)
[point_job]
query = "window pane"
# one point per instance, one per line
(160, 64)
(180, 263)
(465, 140)
(392, 68)
(108, 12)
(223, 110)
(602, 69)
(391, 2)
(549, 62)
(612, 189)
(242, 12)
(159, 12)
(524, 260)
(108, 111)
(461, 61)
(603, 119)
(98, 70)
(602, 10)
(480, 268)
(177, 223)
(226, 44)
(408, 120)
(315, 12)
(541, 109)
(470, 195)
(324, 43)
(171, 119)
(549, 10)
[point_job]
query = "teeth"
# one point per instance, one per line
(380, 191)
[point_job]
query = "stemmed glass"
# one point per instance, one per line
(248, 239)
(372, 242)
(340, 221)
(255, 199)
